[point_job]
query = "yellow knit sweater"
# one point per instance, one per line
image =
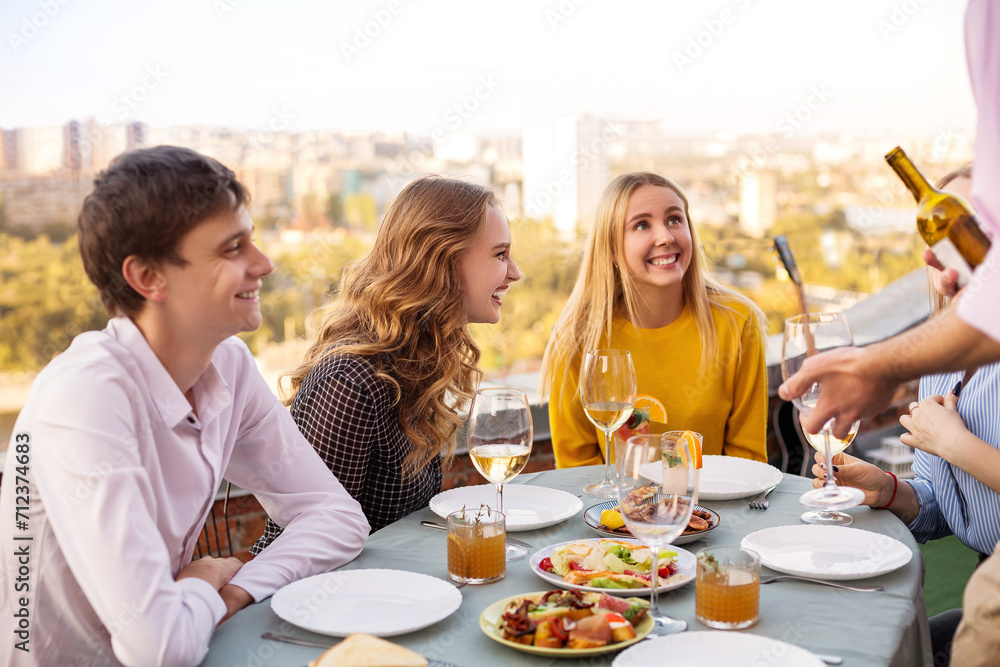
(727, 404)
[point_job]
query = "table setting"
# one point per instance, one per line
(886, 627)
(598, 581)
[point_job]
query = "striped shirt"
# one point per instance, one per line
(952, 501)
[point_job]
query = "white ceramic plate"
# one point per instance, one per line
(686, 568)
(828, 552)
(391, 602)
(490, 617)
(592, 517)
(527, 507)
(725, 477)
(716, 649)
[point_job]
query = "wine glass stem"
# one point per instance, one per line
(500, 498)
(609, 451)
(830, 483)
(655, 595)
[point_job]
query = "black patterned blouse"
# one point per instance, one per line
(347, 413)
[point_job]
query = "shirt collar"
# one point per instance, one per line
(211, 390)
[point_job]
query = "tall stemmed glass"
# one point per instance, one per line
(499, 438)
(657, 491)
(806, 335)
(608, 391)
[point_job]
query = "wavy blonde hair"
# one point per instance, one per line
(605, 290)
(402, 307)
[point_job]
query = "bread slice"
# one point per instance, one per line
(361, 650)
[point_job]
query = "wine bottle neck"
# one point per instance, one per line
(909, 174)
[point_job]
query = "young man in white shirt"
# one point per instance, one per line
(125, 437)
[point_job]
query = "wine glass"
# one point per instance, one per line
(499, 439)
(806, 335)
(657, 491)
(608, 391)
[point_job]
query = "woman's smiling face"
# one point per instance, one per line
(656, 246)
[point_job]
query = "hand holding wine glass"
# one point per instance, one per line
(657, 513)
(608, 391)
(804, 336)
(499, 436)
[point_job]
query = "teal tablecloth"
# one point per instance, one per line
(878, 629)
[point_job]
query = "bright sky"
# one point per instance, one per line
(733, 65)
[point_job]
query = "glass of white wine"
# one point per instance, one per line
(806, 335)
(608, 391)
(499, 437)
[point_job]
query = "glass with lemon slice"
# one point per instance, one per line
(648, 416)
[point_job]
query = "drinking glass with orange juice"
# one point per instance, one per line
(727, 588)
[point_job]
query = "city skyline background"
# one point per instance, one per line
(393, 65)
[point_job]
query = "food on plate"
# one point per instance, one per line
(361, 650)
(611, 521)
(609, 564)
(571, 619)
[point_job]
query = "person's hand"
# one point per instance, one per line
(934, 425)
(945, 281)
(216, 571)
(852, 471)
(235, 598)
(853, 386)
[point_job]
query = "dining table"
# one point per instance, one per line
(875, 629)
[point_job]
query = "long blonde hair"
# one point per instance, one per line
(401, 307)
(605, 290)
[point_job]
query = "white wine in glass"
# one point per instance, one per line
(806, 335)
(608, 391)
(657, 513)
(499, 437)
(837, 445)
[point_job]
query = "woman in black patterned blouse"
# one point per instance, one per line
(378, 391)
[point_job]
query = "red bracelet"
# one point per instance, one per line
(895, 486)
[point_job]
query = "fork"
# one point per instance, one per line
(792, 577)
(760, 502)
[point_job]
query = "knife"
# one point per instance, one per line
(512, 540)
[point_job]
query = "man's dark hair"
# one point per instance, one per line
(142, 205)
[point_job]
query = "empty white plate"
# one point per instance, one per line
(726, 477)
(715, 649)
(527, 507)
(380, 602)
(828, 552)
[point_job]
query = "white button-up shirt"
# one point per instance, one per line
(109, 479)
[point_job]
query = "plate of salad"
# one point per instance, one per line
(618, 566)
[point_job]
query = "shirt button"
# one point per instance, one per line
(190, 419)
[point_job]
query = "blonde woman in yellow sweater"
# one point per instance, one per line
(697, 346)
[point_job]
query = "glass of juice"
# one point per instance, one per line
(477, 545)
(727, 590)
